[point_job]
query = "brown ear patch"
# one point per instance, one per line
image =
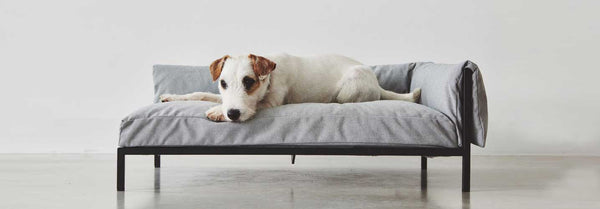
(261, 66)
(216, 67)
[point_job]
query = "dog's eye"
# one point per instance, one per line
(223, 84)
(248, 82)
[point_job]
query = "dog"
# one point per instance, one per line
(249, 83)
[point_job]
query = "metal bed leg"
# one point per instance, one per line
(423, 173)
(466, 170)
(120, 169)
(157, 161)
(293, 159)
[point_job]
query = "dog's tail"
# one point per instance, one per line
(409, 97)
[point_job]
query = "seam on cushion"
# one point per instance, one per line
(361, 139)
(375, 138)
(382, 145)
(339, 116)
(364, 143)
(327, 143)
(317, 143)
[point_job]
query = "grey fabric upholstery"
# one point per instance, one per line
(396, 78)
(179, 79)
(440, 83)
(441, 90)
(378, 123)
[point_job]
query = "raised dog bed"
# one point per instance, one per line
(451, 114)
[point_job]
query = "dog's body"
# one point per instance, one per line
(250, 83)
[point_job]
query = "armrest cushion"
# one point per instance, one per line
(441, 86)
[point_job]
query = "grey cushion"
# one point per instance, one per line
(441, 84)
(441, 90)
(179, 79)
(396, 78)
(385, 123)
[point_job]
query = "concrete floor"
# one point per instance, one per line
(88, 181)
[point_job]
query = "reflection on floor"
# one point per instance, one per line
(88, 181)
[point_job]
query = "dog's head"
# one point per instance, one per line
(243, 82)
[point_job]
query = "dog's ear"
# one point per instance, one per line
(217, 66)
(261, 66)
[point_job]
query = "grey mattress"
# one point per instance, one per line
(378, 123)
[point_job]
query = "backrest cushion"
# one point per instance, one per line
(394, 78)
(179, 79)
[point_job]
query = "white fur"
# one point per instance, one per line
(319, 79)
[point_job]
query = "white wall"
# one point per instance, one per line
(72, 69)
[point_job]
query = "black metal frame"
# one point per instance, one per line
(464, 150)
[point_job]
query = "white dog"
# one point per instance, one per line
(249, 83)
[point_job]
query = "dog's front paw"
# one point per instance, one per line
(167, 98)
(215, 114)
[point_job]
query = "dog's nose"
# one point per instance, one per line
(233, 114)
